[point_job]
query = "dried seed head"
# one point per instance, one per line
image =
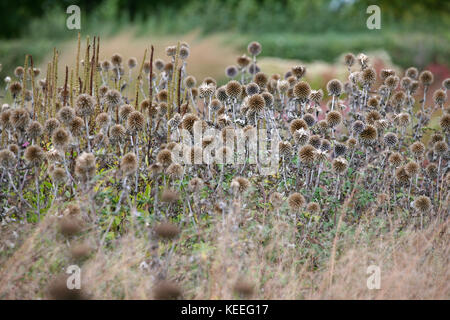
(231, 71)
(188, 121)
(34, 155)
(166, 290)
(368, 135)
(113, 98)
(417, 149)
(306, 154)
(316, 96)
(432, 170)
(395, 159)
(422, 204)
(313, 207)
(170, 196)
(102, 120)
(440, 148)
(20, 118)
(368, 76)
(412, 72)
(444, 122)
(15, 88)
(164, 157)
(390, 139)
(297, 124)
(285, 148)
(298, 71)
(66, 115)
(195, 185)
(426, 78)
(256, 103)
(136, 121)
(233, 89)
(116, 59)
(392, 82)
(340, 165)
(439, 97)
(129, 164)
(296, 201)
(302, 90)
(412, 168)
(60, 138)
(254, 48)
(334, 87)
(334, 118)
(7, 158)
(34, 130)
(373, 103)
(339, 149)
(85, 105)
(349, 59)
(76, 127)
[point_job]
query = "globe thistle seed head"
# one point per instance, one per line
(221, 94)
(252, 89)
(256, 103)
(309, 119)
(307, 154)
(20, 118)
(164, 157)
(285, 149)
(412, 72)
(323, 126)
(170, 196)
(349, 59)
(34, 155)
(390, 139)
(398, 98)
(195, 185)
(184, 52)
(313, 207)
(373, 103)
(5, 119)
(19, 72)
(175, 170)
(58, 176)
(102, 120)
(132, 63)
(334, 118)
(231, 71)
(101, 140)
(412, 168)
(66, 115)
(372, 116)
(159, 64)
(14, 148)
(302, 90)
(368, 135)
(340, 149)
(296, 201)
(351, 143)
(340, 165)
(106, 65)
(405, 83)
(315, 141)
(368, 76)
(113, 98)
(85, 105)
(35, 130)
(439, 97)
(395, 159)
(128, 164)
(76, 127)
(171, 51)
(385, 73)
(163, 95)
(85, 166)
(136, 121)
(392, 82)
(254, 48)
(7, 158)
(426, 78)
(440, 148)
(316, 96)
(422, 204)
(60, 138)
(166, 231)
(188, 121)
(403, 119)
(432, 170)
(446, 84)
(298, 71)
(215, 105)
(243, 61)
(116, 60)
(444, 122)
(402, 176)
(297, 124)
(325, 145)
(243, 184)
(15, 88)
(334, 87)
(253, 69)
(268, 98)
(417, 149)
(233, 89)
(124, 111)
(282, 86)
(301, 137)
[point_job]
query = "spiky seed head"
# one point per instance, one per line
(221, 94)
(231, 71)
(58, 175)
(34, 130)
(334, 87)
(251, 89)
(116, 59)
(188, 121)
(296, 201)
(261, 79)
(243, 184)
(323, 127)
(395, 159)
(385, 73)
(351, 143)
(439, 97)
(76, 127)
(128, 164)
(113, 98)
(85, 105)
(85, 166)
(302, 90)
(368, 135)
(340, 149)
(315, 141)
(285, 148)
(166, 231)
(340, 165)
(243, 61)
(20, 118)
(316, 96)
(349, 59)
(233, 89)
(440, 148)
(309, 119)
(34, 155)
(15, 88)
(398, 98)
(392, 82)
(7, 158)
(136, 121)
(254, 48)
(66, 115)
(412, 72)
(313, 207)
(358, 126)
(422, 204)
(444, 122)
(164, 157)
(432, 170)
(390, 139)
(19, 72)
(170, 196)
(446, 84)
(298, 71)
(403, 119)
(256, 103)
(325, 145)
(373, 103)
(373, 116)
(297, 124)
(417, 149)
(5, 119)
(60, 138)
(306, 154)
(426, 78)
(124, 111)
(175, 170)
(102, 120)
(14, 148)
(405, 83)
(368, 76)
(402, 176)
(301, 137)
(334, 118)
(190, 82)
(412, 168)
